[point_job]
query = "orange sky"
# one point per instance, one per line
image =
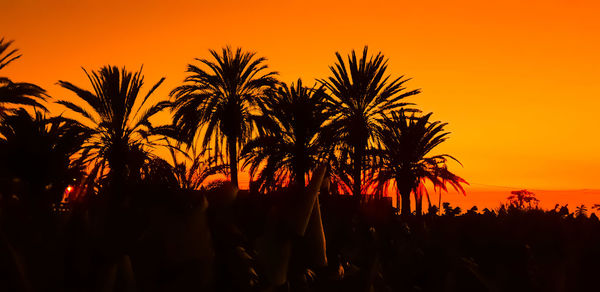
(518, 81)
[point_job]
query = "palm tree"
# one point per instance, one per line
(218, 101)
(118, 119)
(361, 93)
(17, 93)
(292, 117)
(581, 211)
(402, 157)
(35, 156)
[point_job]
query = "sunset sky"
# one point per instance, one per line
(517, 81)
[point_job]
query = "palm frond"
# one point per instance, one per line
(7, 56)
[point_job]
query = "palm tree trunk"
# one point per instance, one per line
(418, 205)
(233, 161)
(117, 176)
(405, 195)
(301, 180)
(356, 187)
(440, 201)
(300, 160)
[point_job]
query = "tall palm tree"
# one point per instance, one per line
(289, 143)
(402, 157)
(119, 119)
(218, 101)
(361, 93)
(17, 93)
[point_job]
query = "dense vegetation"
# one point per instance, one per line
(88, 204)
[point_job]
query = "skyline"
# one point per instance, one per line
(514, 82)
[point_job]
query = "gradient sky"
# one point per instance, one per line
(517, 81)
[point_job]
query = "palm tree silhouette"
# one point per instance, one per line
(401, 158)
(361, 93)
(220, 99)
(17, 93)
(35, 156)
(118, 119)
(581, 211)
(289, 143)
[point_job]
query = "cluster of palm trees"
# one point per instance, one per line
(231, 111)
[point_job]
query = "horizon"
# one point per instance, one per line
(519, 92)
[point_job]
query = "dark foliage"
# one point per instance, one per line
(35, 157)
